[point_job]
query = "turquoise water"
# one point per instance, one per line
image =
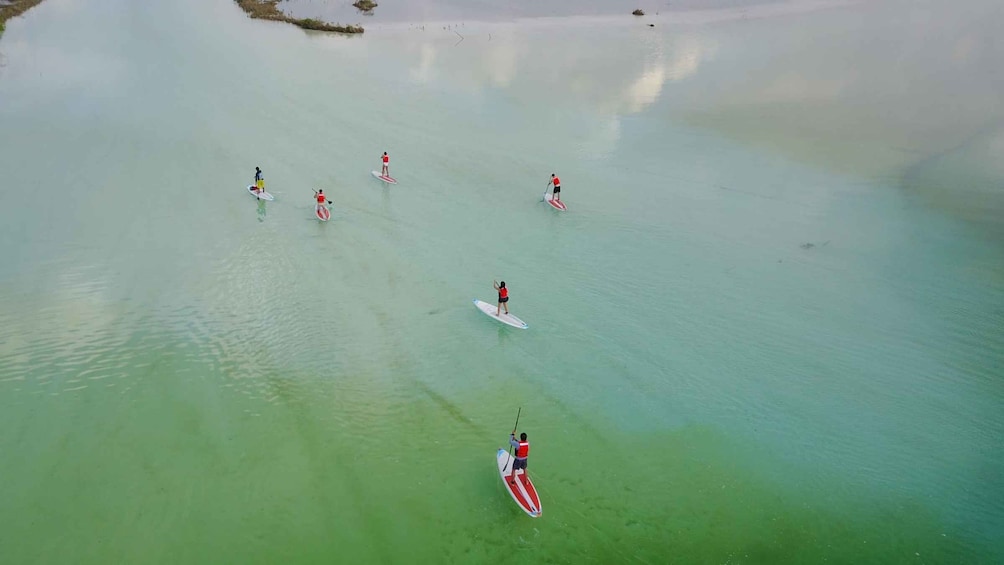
(754, 337)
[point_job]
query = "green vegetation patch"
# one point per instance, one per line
(365, 5)
(267, 10)
(14, 9)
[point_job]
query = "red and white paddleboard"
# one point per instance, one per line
(386, 178)
(556, 204)
(322, 213)
(523, 491)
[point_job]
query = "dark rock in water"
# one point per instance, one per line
(808, 245)
(651, 25)
(638, 12)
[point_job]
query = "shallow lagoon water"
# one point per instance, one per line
(741, 349)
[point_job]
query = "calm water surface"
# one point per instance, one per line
(768, 329)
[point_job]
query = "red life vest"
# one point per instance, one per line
(557, 181)
(320, 198)
(523, 450)
(503, 292)
(386, 159)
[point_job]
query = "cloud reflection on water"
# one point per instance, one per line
(870, 89)
(588, 80)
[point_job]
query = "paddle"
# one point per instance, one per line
(544, 197)
(514, 430)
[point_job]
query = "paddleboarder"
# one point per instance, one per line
(522, 451)
(503, 298)
(556, 193)
(321, 199)
(259, 180)
(385, 171)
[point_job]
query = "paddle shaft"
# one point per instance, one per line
(515, 426)
(544, 197)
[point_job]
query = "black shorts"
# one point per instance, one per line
(557, 189)
(503, 300)
(519, 464)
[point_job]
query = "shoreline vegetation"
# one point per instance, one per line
(13, 9)
(266, 10)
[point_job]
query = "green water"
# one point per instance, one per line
(751, 341)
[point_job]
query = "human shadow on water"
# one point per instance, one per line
(504, 334)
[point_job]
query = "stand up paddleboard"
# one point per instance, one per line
(262, 195)
(523, 492)
(508, 319)
(556, 204)
(322, 213)
(386, 178)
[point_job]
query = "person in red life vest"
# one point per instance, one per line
(522, 451)
(503, 297)
(556, 193)
(385, 171)
(321, 199)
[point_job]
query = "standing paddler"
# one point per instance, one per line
(522, 452)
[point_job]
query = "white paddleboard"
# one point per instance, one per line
(322, 213)
(386, 178)
(508, 319)
(263, 195)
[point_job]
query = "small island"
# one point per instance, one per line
(638, 12)
(365, 5)
(14, 8)
(266, 10)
